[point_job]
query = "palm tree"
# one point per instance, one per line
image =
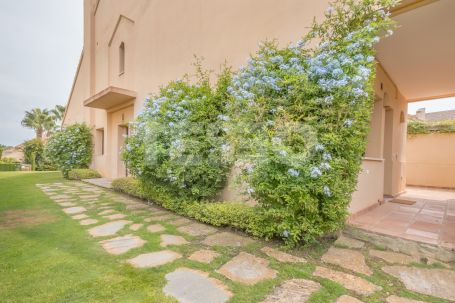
(58, 112)
(40, 120)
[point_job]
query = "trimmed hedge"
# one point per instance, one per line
(252, 220)
(421, 127)
(10, 166)
(83, 173)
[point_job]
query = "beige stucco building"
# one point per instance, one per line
(132, 47)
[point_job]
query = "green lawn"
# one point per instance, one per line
(46, 256)
(58, 261)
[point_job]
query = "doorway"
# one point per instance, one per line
(388, 152)
(123, 132)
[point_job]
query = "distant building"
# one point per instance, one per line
(422, 115)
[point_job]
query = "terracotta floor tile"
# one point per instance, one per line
(426, 226)
(429, 219)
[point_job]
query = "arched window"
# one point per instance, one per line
(121, 56)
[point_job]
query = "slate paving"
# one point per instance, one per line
(435, 282)
(247, 269)
(227, 239)
(74, 210)
(347, 258)
(88, 221)
(156, 228)
(293, 291)
(194, 286)
(351, 282)
(204, 256)
(348, 299)
(167, 240)
(396, 299)
(108, 229)
(343, 263)
(154, 259)
(122, 244)
(281, 256)
(197, 229)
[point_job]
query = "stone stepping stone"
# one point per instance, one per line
(181, 221)
(148, 220)
(354, 283)
(121, 245)
(154, 259)
(163, 218)
(348, 299)
(136, 206)
(106, 212)
(349, 242)
(67, 204)
(108, 229)
(393, 257)
(227, 239)
(115, 216)
(348, 259)
(79, 217)
(194, 286)
(155, 228)
(88, 221)
(136, 227)
(204, 256)
(247, 269)
(282, 256)
(74, 210)
(197, 229)
(434, 282)
(167, 240)
(395, 299)
(60, 197)
(293, 291)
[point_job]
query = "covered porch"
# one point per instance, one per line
(431, 219)
(418, 62)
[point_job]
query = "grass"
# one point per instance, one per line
(45, 256)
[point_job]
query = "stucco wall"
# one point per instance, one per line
(161, 38)
(431, 160)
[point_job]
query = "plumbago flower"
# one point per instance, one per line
(70, 148)
(178, 141)
(300, 116)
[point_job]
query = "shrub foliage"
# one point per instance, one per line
(83, 173)
(425, 127)
(179, 138)
(296, 118)
(70, 148)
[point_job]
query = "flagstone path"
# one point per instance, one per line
(204, 264)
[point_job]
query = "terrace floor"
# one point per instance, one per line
(430, 220)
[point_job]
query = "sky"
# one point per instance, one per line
(432, 106)
(41, 42)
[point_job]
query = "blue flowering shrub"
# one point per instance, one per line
(178, 138)
(295, 120)
(70, 148)
(300, 117)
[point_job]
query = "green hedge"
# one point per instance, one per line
(421, 127)
(83, 173)
(10, 166)
(252, 220)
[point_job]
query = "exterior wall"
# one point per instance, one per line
(161, 38)
(430, 160)
(383, 167)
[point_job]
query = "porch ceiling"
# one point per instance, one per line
(110, 97)
(420, 56)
